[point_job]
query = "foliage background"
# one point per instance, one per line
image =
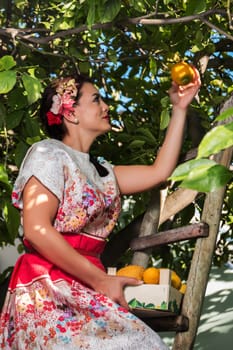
(128, 48)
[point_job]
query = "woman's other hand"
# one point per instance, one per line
(113, 287)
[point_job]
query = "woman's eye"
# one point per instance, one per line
(97, 98)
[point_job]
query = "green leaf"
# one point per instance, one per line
(108, 10)
(147, 135)
(164, 119)
(91, 13)
(2, 114)
(138, 5)
(13, 119)
(153, 66)
(32, 140)
(20, 152)
(217, 139)
(136, 144)
(20, 248)
(84, 67)
(199, 37)
(183, 170)
(16, 99)
(207, 179)
(226, 114)
(133, 303)
(7, 62)
(150, 306)
(12, 218)
(31, 127)
(3, 175)
(165, 102)
(33, 88)
(140, 304)
(193, 7)
(112, 56)
(7, 81)
(164, 305)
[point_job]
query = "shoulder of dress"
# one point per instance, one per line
(47, 145)
(44, 150)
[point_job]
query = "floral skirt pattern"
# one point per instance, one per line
(63, 314)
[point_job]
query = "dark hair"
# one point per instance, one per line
(58, 131)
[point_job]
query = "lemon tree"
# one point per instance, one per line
(128, 48)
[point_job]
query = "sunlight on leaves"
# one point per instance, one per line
(217, 139)
(7, 81)
(207, 178)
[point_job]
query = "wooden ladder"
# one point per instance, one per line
(142, 236)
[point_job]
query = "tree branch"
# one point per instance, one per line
(28, 34)
(211, 25)
(230, 17)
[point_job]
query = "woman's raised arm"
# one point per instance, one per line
(138, 178)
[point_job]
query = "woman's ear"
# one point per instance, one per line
(71, 118)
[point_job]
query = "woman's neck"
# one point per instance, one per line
(77, 143)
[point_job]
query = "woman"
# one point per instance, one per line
(60, 296)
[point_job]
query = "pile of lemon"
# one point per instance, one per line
(150, 275)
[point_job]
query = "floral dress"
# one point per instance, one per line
(46, 308)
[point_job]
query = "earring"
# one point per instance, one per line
(76, 121)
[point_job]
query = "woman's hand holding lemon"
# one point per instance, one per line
(185, 84)
(182, 73)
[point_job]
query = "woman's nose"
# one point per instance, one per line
(105, 107)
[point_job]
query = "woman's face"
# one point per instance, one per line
(91, 111)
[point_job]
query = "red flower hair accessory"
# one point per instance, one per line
(63, 101)
(54, 119)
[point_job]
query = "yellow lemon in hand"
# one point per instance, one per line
(182, 73)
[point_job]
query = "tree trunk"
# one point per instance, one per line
(149, 226)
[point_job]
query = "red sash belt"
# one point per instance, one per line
(32, 266)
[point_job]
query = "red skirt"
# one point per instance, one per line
(48, 309)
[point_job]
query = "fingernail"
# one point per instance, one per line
(140, 282)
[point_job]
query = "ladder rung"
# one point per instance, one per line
(179, 323)
(171, 236)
